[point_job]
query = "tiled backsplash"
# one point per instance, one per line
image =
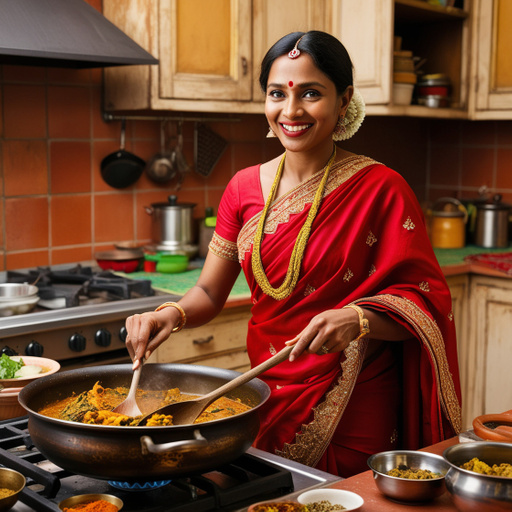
(55, 207)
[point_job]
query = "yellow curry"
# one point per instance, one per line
(95, 407)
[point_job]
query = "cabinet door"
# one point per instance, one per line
(490, 346)
(492, 41)
(205, 49)
(273, 20)
(365, 28)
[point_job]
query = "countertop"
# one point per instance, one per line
(374, 501)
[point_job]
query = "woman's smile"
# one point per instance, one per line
(295, 130)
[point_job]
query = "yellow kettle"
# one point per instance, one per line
(448, 218)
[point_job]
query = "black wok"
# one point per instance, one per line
(122, 168)
(141, 453)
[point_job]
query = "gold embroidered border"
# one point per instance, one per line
(313, 439)
(432, 340)
(223, 248)
(295, 200)
(311, 443)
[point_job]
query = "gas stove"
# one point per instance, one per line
(253, 477)
(79, 320)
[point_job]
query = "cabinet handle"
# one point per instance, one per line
(245, 66)
(202, 341)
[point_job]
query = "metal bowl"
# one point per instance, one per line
(82, 499)
(405, 489)
(16, 291)
(473, 491)
(14, 481)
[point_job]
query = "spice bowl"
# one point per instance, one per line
(277, 506)
(82, 499)
(13, 481)
(347, 499)
(407, 489)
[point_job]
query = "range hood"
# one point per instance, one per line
(63, 33)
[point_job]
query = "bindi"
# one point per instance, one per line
(290, 83)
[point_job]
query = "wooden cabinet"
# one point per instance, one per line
(220, 343)
(492, 62)
(433, 33)
(209, 52)
(482, 308)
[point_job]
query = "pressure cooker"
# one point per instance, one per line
(173, 229)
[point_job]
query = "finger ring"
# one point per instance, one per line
(324, 349)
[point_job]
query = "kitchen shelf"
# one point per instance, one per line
(418, 11)
(415, 111)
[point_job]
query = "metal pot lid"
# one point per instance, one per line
(494, 204)
(172, 204)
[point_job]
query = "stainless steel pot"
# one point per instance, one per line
(492, 223)
(173, 227)
(134, 453)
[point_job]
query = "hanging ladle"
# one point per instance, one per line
(186, 412)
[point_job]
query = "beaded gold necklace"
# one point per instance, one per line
(292, 274)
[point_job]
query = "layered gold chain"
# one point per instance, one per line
(292, 274)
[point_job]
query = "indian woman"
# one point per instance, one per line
(334, 249)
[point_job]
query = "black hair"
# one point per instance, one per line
(327, 52)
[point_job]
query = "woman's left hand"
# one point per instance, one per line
(328, 332)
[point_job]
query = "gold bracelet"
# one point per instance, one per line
(364, 325)
(183, 316)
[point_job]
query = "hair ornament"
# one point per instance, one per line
(353, 119)
(293, 54)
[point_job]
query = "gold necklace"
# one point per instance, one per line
(292, 274)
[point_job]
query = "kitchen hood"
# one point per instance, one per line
(63, 33)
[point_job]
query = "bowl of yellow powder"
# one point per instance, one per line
(11, 484)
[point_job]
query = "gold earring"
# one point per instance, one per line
(339, 129)
(270, 133)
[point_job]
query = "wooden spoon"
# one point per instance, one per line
(186, 412)
(129, 405)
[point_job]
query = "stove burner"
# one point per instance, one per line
(80, 286)
(139, 486)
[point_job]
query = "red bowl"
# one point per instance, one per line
(120, 260)
(126, 266)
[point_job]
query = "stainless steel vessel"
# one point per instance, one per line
(492, 221)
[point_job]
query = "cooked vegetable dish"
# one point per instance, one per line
(95, 407)
(403, 471)
(481, 467)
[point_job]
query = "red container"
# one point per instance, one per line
(433, 90)
(120, 260)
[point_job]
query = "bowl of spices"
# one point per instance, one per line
(330, 500)
(11, 484)
(91, 503)
(277, 506)
(409, 475)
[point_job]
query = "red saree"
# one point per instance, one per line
(369, 246)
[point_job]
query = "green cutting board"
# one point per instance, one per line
(180, 283)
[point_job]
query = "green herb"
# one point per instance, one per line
(216, 410)
(9, 367)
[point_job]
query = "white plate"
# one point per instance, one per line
(350, 500)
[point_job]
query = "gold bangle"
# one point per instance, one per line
(183, 316)
(364, 325)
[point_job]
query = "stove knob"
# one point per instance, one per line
(123, 333)
(77, 342)
(34, 349)
(102, 338)
(8, 351)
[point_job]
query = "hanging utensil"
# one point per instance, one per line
(181, 162)
(122, 168)
(161, 168)
(208, 148)
(185, 413)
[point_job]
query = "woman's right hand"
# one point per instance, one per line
(145, 332)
